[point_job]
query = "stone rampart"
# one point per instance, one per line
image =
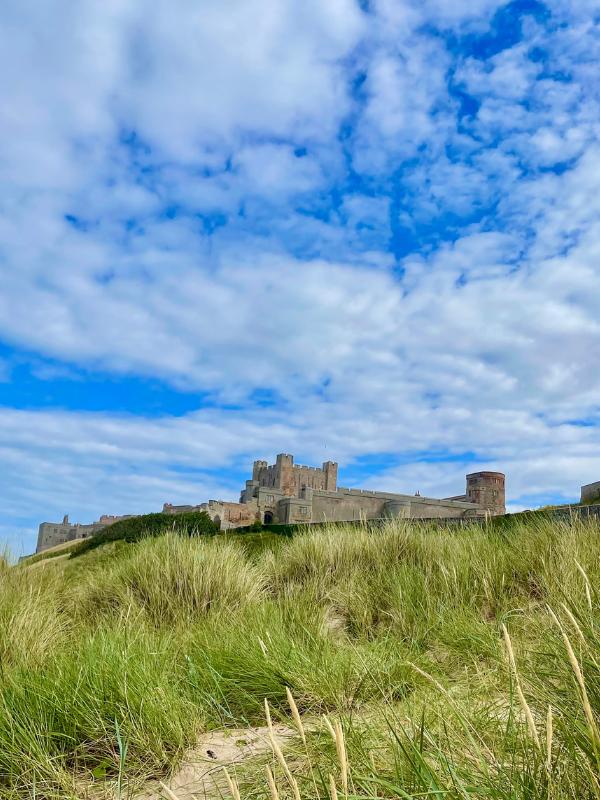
(572, 512)
(590, 492)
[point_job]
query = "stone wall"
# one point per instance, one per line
(590, 492)
(562, 514)
(294, 510)
(226, 514)
(575, 512)
(52, 533)
(169, 508)
(290, 493)
(356, 504)
(231, 515)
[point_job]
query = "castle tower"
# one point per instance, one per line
(330, 468)
(487, 489)
(257, 469)
(284, 474)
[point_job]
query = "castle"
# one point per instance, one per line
(289, 493)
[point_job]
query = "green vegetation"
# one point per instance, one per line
(193, 523)
(451, 663)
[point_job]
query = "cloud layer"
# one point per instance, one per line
(361, 231)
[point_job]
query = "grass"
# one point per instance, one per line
(56, 552)
(451, 663)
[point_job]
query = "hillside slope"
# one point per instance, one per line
(451, 663)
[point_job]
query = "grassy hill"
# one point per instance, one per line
(450, 663)
(58, 551)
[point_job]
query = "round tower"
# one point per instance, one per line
(487, 490)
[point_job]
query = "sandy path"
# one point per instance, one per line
(201, 774)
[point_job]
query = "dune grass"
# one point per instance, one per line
(454, 663)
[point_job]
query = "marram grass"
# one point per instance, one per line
(413, 662)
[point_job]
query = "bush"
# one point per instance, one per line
(193, 523)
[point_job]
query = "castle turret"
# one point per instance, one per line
(284, 474)
(257, 469)
(330, 468)
(487, 489)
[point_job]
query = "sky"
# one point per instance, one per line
(363, 231)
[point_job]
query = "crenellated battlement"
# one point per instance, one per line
(293, 478)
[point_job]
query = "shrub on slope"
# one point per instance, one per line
(193, 523)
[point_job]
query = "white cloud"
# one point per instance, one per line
(273, 170)
(213, 197)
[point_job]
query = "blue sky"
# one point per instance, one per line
(362, 231)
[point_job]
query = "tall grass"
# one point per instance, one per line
(454, 663)
(172, 580)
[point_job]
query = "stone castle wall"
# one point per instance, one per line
(52, 533)
(287, 493)
(590, 492)
(355, 504)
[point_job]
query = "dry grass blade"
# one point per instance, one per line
(333, 794)
(588, 593)
(170, 794)
(329, 726)
(574, 622)
(587, 709)
(272, 784)
(268, 715)
(549, 735)
(340, 746)
(520, 695)
(232, 783)
(295, 789)
(295, 715)
(277, 751)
